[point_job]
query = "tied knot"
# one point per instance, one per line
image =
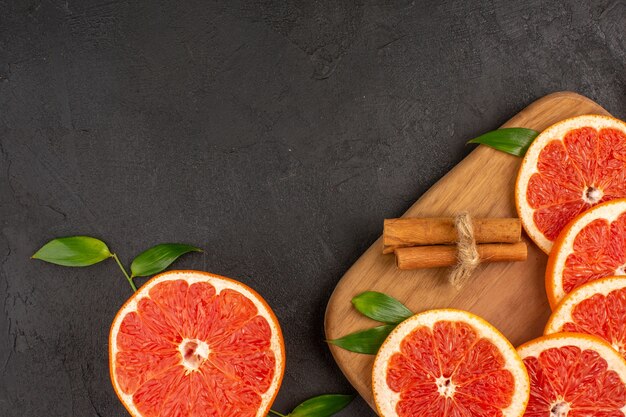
(467, 252)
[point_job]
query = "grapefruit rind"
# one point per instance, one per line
(614, 360)
(584, 341)
(564, 245)
(219, 283)
(529, 166)
(563, 313)
(386, 399)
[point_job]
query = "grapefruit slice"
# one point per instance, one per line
(448, 363)
(570, 167)
(592, 246)
(574, 375)
(597, 308)
(189, 343)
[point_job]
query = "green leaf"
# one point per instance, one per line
(366, 341)
(73, 251)
(381, 307)
(512, 140)
(322, 406)
(159, 257)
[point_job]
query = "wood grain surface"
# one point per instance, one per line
(509, 295)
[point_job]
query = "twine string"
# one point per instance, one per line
(467, 252)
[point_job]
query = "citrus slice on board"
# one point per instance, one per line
(570, 167)
(448, 363)
(189, 343)
(597, 308)
(590, 247)
(574, 375)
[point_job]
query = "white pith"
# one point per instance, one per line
(529, 166)
(563, 313)
(202, 351)
(219, 284)
(559, 408)
(386, 399)
(613, 359)
(609, 211)
(445, 387)
(592, 194)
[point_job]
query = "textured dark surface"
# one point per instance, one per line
(276, 135)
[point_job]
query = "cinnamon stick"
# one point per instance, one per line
(438, 256)
(398, 233)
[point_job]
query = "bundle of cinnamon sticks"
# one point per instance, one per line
(431, 242)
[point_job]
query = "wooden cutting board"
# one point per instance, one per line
(509, 295)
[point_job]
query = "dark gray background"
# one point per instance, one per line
(276, 135)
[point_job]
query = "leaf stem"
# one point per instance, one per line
(130, 280)
(277, 413)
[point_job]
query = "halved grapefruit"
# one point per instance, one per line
(189, 343)
(570, 167)
(448, 363)
(574, 375)
(590, 247)
(597, 308)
